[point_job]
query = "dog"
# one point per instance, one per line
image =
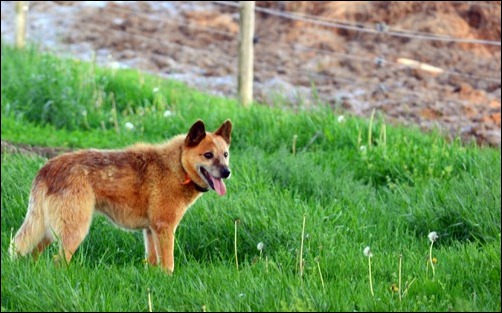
(143, 187)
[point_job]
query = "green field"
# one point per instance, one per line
(314, 190)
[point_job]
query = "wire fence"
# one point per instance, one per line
(374, 59)
(359, 27)
(386, 71)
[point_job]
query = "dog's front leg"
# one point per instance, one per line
(163, 236)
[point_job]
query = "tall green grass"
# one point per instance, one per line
(387, 193)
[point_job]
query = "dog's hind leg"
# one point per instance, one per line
(32, 231)
(44, 243)
(71, 218)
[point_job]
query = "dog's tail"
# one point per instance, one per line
(33, 229)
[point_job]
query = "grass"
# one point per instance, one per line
(340, 190)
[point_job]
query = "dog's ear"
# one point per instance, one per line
(195, 135)
(225, 131)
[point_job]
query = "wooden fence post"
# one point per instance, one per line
(21, 17)
(246, 51)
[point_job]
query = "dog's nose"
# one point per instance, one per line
(225, 172)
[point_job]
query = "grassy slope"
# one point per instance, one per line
(389, 195)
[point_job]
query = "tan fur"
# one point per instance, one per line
(145, 187)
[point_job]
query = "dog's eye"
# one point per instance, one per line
(225, 154)
(208, 155)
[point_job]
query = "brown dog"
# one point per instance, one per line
(146, 187)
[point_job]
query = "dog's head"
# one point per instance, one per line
(206, 155)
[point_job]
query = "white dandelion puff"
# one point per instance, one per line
(167, 113)
(260, 246)
(129, 125)
(433, 236)
(155, 90)
(341, 118)
(115, 65)
(367, 252)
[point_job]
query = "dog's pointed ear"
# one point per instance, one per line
(195, 135)
(225, 131)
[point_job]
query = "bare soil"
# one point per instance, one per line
(352, 70)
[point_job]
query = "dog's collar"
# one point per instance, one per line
(199, 188)
(188, 180)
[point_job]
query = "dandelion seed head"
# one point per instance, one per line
(362, 148)
(367, 252)
(129, 125)
(260, 246)
(341, 118)
(155, 90)
(115, 65)
(433, 236)
(167, 113)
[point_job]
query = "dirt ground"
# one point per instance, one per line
(352, 67)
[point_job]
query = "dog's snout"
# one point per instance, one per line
(225, 172)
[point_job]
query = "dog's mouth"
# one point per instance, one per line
(216, 184)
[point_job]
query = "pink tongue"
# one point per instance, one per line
(219, 186)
